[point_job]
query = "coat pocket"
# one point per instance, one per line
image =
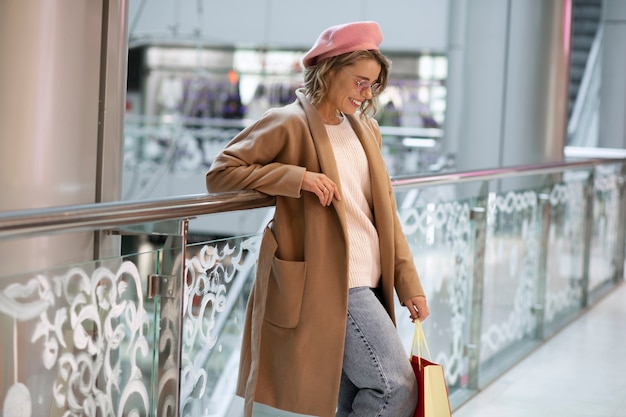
(285, 291)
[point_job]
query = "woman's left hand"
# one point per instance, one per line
(418, 307)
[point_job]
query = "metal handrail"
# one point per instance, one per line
(497, 173)
(115, 214)
(124, 213)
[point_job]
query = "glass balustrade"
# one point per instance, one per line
(218, 279)
(506, 261)
(90, 339)
(605, 235)
(503, 268)
(78, 340)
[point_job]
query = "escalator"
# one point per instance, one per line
(586, 18)
(585, 74)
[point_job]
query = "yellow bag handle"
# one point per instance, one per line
(419, 341)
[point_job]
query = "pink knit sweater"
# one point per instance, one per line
(363, 250)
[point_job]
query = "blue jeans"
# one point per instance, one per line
(377, 378)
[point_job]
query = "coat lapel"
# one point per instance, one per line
(325, 154)
(376, 163)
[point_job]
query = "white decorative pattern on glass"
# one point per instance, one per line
(605, 220)
(440, 236)
(88, 334)
(565, 249)
(217, 280)
(511, 256)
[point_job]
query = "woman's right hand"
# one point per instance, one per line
(322, 186)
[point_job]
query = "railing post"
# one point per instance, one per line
(479, 217)
(168, 288)
(621, 227)
(544, 211)
(184, 231)
(587, 236)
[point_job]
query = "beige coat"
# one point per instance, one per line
(295, 324)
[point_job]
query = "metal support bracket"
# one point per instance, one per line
(163, 286)
(478, 213)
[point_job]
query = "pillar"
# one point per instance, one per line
(61, 110)
(612, 116)
(511, 67)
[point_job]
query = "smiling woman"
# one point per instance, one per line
(348, 93)
(321, 158)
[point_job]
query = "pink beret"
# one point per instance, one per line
(341, 39)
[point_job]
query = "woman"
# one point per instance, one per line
(320, 335)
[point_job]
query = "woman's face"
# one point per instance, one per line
(343, 93)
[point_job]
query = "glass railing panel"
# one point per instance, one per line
(565, 248)
(510, 277)
(439, 232)
(78, 340)
(606, 210)
(218, 278)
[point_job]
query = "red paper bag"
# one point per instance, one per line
(433, 398)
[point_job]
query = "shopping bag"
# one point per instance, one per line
(433, 398)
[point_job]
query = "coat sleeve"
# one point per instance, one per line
(407, 281)
(256, 159)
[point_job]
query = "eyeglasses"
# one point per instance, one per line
(362, 85)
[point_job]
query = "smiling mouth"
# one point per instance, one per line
(356, 102)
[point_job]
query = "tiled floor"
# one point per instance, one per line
(579, 372)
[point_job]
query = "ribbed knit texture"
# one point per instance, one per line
(364, 253)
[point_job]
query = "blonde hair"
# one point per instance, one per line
(316, 77)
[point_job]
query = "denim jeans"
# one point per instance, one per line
(377, 378)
